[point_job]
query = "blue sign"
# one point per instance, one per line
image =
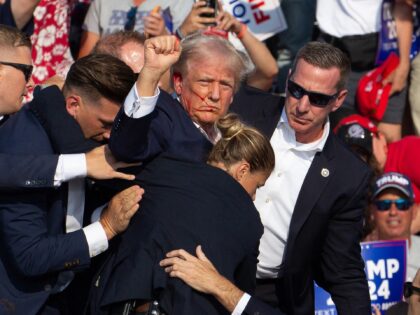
(388, 35)
(385, 267)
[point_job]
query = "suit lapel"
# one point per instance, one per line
(321, 170)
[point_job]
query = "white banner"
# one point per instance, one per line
(264, 18)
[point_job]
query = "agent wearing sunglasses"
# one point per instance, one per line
(312, 203)
(15, 70)
(393, 212)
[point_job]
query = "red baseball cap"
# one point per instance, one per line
(357, 119)
(372, 96)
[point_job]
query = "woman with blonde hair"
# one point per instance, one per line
(185, 204)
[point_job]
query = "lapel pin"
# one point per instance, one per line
(325, 172)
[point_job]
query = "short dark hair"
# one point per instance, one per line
(11, 37)
(324, 56)
(99, 75)
(111, 44)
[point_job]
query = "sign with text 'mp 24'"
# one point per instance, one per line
(385, 267)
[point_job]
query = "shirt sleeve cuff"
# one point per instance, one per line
(70, 166)
(136, 106)
(96, 239)
(243, 302)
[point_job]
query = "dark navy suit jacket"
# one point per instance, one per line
(37, 258)
(186, 204)
(325, 230)
(168, 128)
(30, 170)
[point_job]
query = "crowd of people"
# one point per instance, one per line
(148, 166)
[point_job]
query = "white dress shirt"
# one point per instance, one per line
(277, 199)
(71, 168)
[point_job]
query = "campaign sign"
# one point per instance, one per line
(385, 267)
(264, 18)
(388, 41)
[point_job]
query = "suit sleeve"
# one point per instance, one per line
(245, 272)
(29, 248)
(257, 307)
(141, 139)
(25, 171)
(341, 267)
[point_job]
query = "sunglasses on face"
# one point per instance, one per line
(401, 204)
(131, 19)
(409, 289)
(315, 98)
(26, 69)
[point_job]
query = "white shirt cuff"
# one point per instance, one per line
(96, 238)
(70, 166)
(243, 302)
(136, 106)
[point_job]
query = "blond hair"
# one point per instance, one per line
(241, 142)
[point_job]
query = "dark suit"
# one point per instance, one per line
(37, 257)
(37, 171)
(185, 204)
(167, 129)
(325, 229)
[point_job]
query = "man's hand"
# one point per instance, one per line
(227, 22)
(116, 217)
(154, 25)
(194, 21)
(398, 78)
(199, 273)
(101, 164)
(160, 53)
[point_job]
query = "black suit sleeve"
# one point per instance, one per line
(141, 139)
(245, 273)
(257, 307)
(26, 241)
(341, 268)
(25, 171)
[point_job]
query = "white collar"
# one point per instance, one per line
(290, 136)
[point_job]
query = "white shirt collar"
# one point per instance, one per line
(290, 137)
(214, 139)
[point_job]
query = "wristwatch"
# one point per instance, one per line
(409, 289)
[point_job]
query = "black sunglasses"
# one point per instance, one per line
(131, 19)
(385, 205)
(315, 98)
(409, 289)
(26, 69)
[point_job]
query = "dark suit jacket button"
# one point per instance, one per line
(47, 287)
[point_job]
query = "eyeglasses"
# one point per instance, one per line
(409, 289)
(401, 204)
(26, 69)
(131, 19)
(315, 98)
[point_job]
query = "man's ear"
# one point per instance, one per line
(339, 100)
(177, 78)
(73, 103)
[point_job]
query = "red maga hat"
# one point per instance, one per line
(372, 96)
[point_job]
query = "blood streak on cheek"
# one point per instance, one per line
(203, 99)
